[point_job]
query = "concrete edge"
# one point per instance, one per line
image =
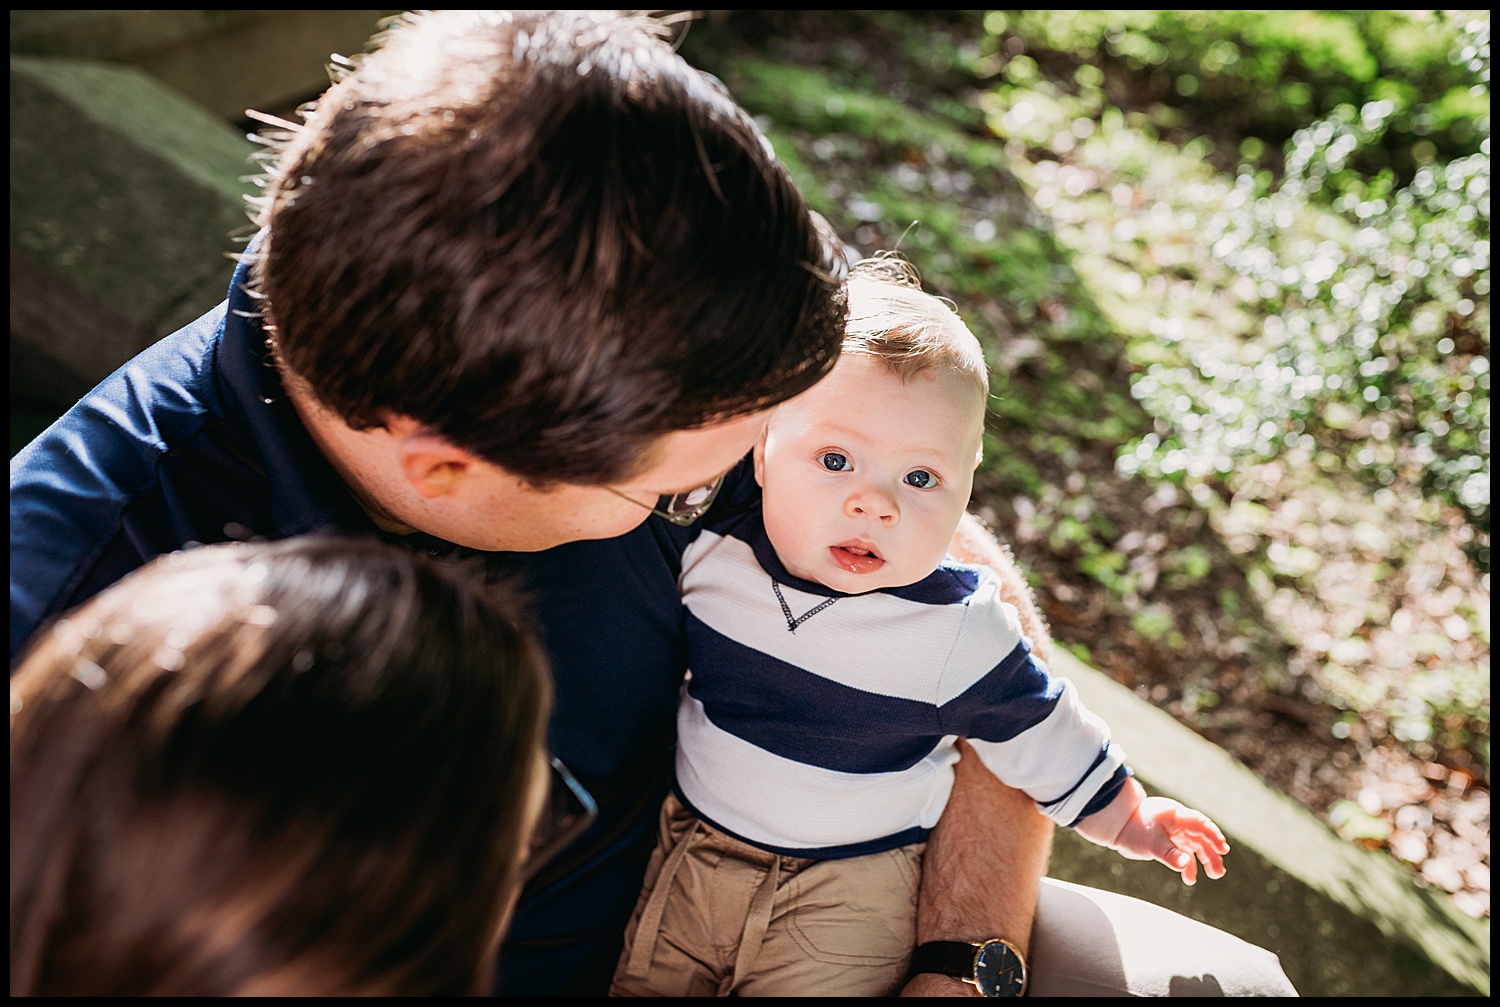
(1171, 760)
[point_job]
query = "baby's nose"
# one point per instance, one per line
(873, 503)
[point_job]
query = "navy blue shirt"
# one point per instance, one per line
(194, 442)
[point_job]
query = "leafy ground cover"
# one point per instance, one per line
(1232, 271)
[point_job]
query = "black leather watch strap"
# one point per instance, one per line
(994, 967)
(947, 958)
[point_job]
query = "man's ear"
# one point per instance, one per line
(434, 466)
(759, 456)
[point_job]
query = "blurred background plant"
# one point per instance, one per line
(1232, 271)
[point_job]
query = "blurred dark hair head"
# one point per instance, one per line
(292, 768)
(548, 239)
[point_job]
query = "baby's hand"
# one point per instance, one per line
(1162, 829)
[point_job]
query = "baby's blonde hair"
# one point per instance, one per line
(893, 319)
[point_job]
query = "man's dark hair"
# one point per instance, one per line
(548, 239)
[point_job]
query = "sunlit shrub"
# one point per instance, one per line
(1375, 351)
(1262, 74)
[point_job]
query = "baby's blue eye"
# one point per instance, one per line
(921, 479)
(834, 462)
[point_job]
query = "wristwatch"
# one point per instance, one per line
(996, 967)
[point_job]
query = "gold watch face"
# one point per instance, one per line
(999, 970)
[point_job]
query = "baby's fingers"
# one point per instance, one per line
(1213, 862)
(1161, 845)
(1202, 839)
(1184, 863)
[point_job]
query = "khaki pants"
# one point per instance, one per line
(720, 917)
(727, 930)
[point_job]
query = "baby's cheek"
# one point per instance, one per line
(783, 529)
(936, 556)
(937, 547)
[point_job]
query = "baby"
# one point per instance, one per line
(835, 655)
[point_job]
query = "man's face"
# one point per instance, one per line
(866, 475)
(499, 512)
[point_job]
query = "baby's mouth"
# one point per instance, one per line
(856, 557)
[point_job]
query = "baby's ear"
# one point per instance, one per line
(759, 456)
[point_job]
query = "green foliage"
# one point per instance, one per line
(1374, 351)
(807, 100)
(1358, 825)
(1154, 622)
(1265, 73)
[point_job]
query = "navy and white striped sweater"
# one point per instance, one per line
(835, 738)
